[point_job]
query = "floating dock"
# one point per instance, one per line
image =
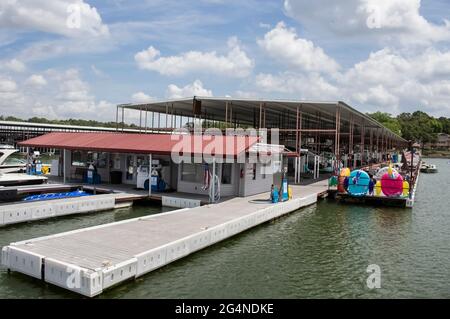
(404, 202)
(88, 261)
(10, 179)
(20, 212)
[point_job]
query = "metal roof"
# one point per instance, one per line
(163, 144)
(216, 107)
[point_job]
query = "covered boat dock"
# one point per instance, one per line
(334, 131)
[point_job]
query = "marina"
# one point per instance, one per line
(215, 151)
(241, 181)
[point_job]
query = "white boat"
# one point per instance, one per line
(428, 168)
(18, 166)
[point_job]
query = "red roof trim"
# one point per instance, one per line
(162, 144)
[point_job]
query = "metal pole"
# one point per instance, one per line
(153, 122)
(296, 133)
(212, 198)
(123, 118)
(64, 166)
(167, 115)
(149, 175)
(146, 115)
(226, 114)
(117, 118)
(140, 120)
(260, 115)
(296, 170)
(411, 172)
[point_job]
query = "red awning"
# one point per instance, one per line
(163, 144)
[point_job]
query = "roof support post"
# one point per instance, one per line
(146, 118)
(149, 175)
(117, 118)
(226, 114)
(296, 134)
(153, 121)
(167, 115)
(172, 124)
(264, 122)
(123, 118)
(317, 136)
(352, 129)
(378, 141)
(337, 137)
(363, 139)
(260, 115)
(300, 126)
(65, 152)
(140, 119)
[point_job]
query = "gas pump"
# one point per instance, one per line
(284, 186)
(147, 177)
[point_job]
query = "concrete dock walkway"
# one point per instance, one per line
(89, 260)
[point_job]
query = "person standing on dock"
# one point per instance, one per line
(346, 181)
(372, 183)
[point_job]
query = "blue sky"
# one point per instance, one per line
(377, 55)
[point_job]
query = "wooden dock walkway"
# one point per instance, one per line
(90, 260)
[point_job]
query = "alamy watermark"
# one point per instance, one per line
(241, 146)
(374, 279)
(73, 20)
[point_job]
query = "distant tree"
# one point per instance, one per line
(419, 127)
(387, 120)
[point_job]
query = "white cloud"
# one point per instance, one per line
(285, 46)
(13, 65)
(390, 79)
(304, 87)
(194, 89)
(63, 17)
(235, 64)
(66, 95)
(141, 97)
(396, 21)
(98, 72)
(10, 97)
(36, 80)
(7, 85)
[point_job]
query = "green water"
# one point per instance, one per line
(320, 252)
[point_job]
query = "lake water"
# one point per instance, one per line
(319, 252)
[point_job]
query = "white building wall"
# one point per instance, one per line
(258, 185)
(240, 186)
(196, 188)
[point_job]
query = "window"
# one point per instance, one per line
(254, 171)
(98, 159)
(78, 158)
(191, 173)
(226, 173)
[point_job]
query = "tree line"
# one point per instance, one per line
(418, 126)
(76, 122)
